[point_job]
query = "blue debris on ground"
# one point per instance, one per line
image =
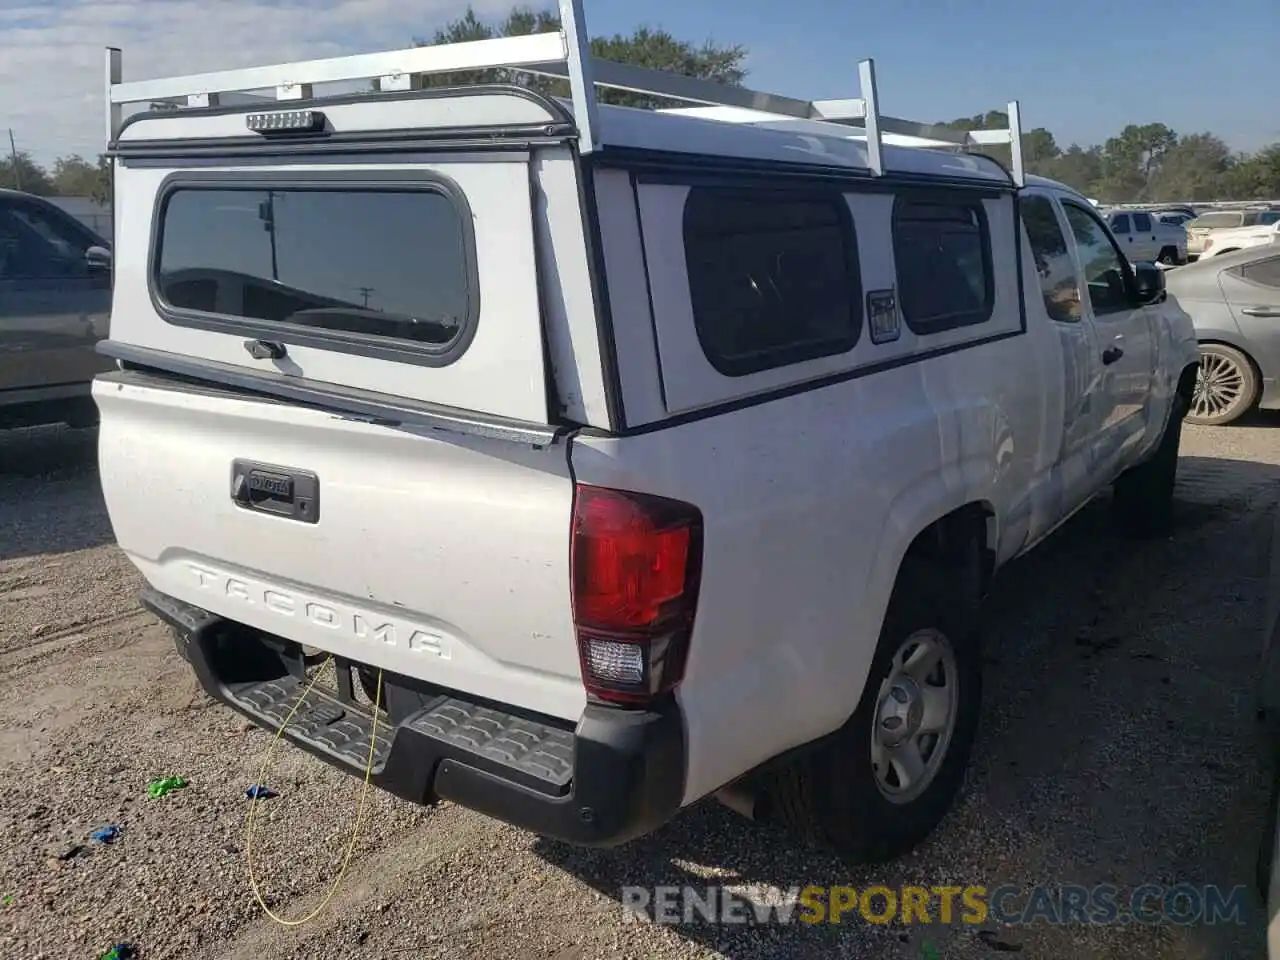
(108, 834)
(257, 792)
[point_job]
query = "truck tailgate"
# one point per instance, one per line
(436, 555)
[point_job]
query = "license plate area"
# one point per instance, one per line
(275, 490)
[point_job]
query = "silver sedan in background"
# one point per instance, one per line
(1234, 301)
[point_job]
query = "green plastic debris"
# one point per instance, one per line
(929, 952)
(159, 788)
(8, 899)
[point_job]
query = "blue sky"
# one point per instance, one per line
(1082, 68)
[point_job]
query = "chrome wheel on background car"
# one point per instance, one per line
(1226, 386)
(915, 716)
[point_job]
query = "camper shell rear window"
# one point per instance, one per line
(365, 266)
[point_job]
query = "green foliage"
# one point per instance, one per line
(71, 176)
(644, 47)
(1144, 163)
(20, 172)
(74, 176)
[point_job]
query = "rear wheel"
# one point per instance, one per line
(1168, 256)
(880, 785)
(1226, 386)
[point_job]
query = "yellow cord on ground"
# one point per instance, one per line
(355, 831)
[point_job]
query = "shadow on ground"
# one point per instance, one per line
(1119, 745)
(1259, 418)
(50, 496)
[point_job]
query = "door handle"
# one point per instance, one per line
(1111, 355)
(1261, 311)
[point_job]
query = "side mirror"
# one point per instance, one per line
(98, 258)
(1148, 283)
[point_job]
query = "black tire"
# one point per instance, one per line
(1142, 504)
(1226, 388)
(1169, 257)
(830, 796)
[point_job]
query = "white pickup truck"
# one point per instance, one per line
(649, 456)
(1143, 235)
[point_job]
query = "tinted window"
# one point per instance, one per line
(1268, 217)
(944, 263)
(1120, 224)
(1141, 222)
(379, 263)
(37, 245)
(1059, 284)
(773, 278)
(1266, 272)
(1104, 271)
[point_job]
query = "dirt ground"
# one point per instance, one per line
(1118, 746)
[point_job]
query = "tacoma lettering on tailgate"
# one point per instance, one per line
(360, 627)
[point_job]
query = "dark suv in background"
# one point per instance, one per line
(55, 302)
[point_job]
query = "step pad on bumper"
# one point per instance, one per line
(540, 752)
(322, 720)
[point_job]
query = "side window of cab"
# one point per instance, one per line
(36, 244)
(1056, 268)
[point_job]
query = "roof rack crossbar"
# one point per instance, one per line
(564, 53)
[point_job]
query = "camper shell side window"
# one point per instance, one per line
(774, 277)
(942, 249)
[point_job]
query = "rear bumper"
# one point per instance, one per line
(617, 775)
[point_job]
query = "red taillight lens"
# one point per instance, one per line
(636, 564)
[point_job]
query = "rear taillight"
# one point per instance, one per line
(637, 563)
(1208, 243)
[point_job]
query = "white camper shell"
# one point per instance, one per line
(650, 454)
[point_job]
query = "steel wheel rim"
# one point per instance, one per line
(915, 716)
(1219, 386)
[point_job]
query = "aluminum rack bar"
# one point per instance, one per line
(563, 53)
(445, 58)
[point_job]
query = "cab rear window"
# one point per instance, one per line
(341, 264)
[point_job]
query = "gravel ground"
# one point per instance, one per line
(1118, 746)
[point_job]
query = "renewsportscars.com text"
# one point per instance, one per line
(1182, 904)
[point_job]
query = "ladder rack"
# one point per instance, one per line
(562, 54)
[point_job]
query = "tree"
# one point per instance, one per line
(1130, 160)
(1255, 177)
(645, 47)
(74, 176)
(1039, 148)
(1197, 167)
(24, 174)
(1077, 167)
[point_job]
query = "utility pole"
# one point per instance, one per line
(13, 152)
(364, 292)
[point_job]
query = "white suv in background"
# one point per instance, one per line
(1144, 236)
